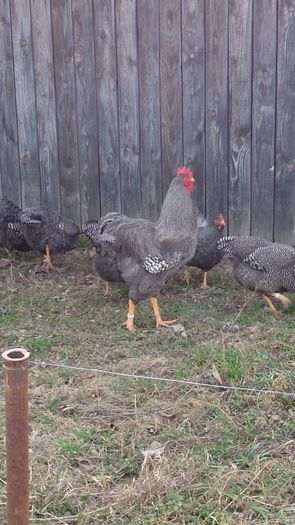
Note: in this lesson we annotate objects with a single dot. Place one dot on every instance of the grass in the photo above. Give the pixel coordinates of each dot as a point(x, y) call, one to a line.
point(227, 458)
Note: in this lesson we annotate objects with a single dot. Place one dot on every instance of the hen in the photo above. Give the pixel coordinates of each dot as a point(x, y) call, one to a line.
point(262, 266)
point(207, 254)
point(106, 259)
point(48, 232)
point(149, 254)
point(11, 235)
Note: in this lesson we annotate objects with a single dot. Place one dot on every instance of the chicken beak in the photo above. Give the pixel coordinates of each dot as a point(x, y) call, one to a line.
point(192, 179)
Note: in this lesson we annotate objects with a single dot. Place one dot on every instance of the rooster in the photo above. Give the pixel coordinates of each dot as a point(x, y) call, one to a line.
point(149, 254)
point(206, 255)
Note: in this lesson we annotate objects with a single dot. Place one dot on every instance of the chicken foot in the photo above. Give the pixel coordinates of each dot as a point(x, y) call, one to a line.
point(186, 276)
point(159, 320)
point(282, 299)
point(130, 316)
point(204, 285)
point(47, 259)
point(270, 304)
point(107, 288)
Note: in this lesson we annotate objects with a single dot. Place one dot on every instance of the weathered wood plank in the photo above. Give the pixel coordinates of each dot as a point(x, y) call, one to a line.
point(171, 95)
point(285, 150)
point(9, 156)
point(45, 101)
point(263, 117)
point(25, 102)
point(149, 89)
point(128, 106)
point(216, 108)
point(240, 57)
point(86, 108)
point(107, 102)
point(66, 108)
point(193, 70)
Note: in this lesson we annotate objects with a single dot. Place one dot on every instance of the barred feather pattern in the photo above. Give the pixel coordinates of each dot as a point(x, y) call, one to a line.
point(152, 264)
point(11, 234)
point(251, 259)
point(224, 244)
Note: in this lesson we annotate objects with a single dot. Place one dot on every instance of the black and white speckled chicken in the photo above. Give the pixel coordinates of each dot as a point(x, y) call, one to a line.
point(106, 259)
point(262, 266)
point(48, 232)
point(149, 254)
point(207, 254)
point(11, 235)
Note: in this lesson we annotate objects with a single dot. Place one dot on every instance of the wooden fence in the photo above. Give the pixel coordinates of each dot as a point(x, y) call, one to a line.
point(101, 100)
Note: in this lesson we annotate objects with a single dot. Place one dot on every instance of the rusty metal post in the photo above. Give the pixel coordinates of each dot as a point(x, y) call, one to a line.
point(15, 362)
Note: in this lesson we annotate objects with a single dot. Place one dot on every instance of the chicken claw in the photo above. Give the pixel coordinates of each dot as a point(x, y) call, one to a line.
point(130, 316)
point(47, 259)
point(159, 320)
point(204, 285)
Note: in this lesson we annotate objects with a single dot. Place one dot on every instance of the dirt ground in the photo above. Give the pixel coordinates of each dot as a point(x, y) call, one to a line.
point(115, 450)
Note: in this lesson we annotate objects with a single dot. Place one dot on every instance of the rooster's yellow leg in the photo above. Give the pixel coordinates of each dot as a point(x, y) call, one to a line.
point(47, 258)
point(186, 276)
point(282, 299)
point(159, 320)
point(204, 285)
point(270, 304)
point(107, 288)
point(130, 316)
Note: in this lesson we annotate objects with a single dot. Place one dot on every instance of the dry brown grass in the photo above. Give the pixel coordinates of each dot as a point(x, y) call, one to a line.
point(227, 458)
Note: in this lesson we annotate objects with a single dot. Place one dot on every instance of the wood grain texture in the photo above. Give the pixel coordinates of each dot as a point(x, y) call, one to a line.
point(149, 90)
point(45, 103)
point(171, 89)
point(66, 108)
point(263, 117)
point(285, 145)
point(9, 156)
point(193, 92)
point(216, 108)
point(25, 102)
point(240, 53)
point(107, 102)
point(128, 106)
point(86, 108)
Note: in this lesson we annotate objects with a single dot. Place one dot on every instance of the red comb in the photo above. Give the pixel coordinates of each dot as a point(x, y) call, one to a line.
point(184, 171)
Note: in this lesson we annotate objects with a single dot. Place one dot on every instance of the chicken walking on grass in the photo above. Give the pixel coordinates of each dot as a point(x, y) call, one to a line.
point(48, 232)
point(148, 254)
point(207, 254)
point(262, 266)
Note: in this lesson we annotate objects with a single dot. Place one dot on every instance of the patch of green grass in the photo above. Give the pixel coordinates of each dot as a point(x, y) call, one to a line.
point(40, 342)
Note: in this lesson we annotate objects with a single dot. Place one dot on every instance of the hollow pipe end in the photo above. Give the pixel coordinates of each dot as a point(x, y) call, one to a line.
point(14, 356)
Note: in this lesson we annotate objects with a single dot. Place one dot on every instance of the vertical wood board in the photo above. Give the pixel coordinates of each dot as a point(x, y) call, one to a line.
point(9, 155)
point(263, 117)
point(66, 108)
point(128, 98)
point(149, 100)
point(25, 102)
point(240, 102)
point(171, 89)
point(285, 144)
point(216, 28)
point(193, 92)
point(86, 108)
point(45, 103)
point(107, 101)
